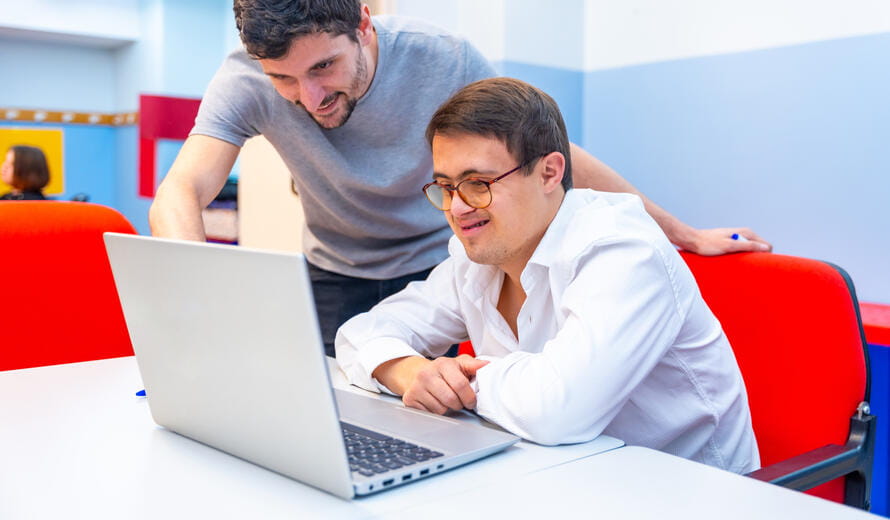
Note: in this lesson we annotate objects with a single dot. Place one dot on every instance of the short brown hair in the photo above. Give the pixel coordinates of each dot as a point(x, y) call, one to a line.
point(29, 169)
point(268, 27)
point(519, 115)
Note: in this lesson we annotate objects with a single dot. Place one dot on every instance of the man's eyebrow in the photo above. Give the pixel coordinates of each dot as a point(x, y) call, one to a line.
point(463, 175)
point(324, 60)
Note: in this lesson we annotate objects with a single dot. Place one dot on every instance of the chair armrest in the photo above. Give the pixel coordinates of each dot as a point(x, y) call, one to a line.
point(810, 469)
point(829, 462)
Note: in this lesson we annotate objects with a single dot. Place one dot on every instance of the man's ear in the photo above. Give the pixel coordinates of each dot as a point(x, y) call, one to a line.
point(365, 29)
point(553, 168)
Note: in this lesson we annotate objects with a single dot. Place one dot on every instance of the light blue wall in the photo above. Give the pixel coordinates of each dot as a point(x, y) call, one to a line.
point(565, 86)
point(56, 76)
point(196, 36)
point(793, 142)
point(126, 185)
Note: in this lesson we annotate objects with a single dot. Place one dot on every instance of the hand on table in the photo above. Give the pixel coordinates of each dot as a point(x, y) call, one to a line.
point(435, 386)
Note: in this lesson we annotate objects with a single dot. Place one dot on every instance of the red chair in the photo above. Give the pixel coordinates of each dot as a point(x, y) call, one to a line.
point(795, 329)
point(59, 302)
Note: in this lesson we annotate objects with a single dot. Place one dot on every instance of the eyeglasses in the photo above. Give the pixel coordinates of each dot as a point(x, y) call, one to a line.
point(475, 193)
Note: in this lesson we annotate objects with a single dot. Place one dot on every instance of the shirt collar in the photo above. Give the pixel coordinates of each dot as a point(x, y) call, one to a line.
point(549, 246)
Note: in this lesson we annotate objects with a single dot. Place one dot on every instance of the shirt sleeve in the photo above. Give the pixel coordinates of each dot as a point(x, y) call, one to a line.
point(230, 107)
point(424, 319)
point(621, 316)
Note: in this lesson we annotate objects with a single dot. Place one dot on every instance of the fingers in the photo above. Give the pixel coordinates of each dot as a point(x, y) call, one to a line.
point(748, 241)
point(720, 241)
point(443, 385)
point(423, 400)
point(469, 365)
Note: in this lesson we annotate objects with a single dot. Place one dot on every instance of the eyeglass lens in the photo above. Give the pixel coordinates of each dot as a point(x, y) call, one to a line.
point(475, 193)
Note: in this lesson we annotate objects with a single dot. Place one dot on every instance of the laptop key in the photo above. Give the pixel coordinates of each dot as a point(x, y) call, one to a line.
point(392, 464)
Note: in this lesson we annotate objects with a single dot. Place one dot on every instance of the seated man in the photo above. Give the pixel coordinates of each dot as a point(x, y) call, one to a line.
point(584, 317)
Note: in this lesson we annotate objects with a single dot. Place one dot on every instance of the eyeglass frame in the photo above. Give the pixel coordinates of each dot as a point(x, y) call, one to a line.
point(456, 188)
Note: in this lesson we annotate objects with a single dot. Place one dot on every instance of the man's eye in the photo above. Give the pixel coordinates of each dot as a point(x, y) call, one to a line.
point(323, 65)
point(474, 187)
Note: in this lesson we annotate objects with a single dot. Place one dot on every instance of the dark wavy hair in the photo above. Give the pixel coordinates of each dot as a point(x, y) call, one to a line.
point(29, 169)
point(523, 117)
point(268, 27)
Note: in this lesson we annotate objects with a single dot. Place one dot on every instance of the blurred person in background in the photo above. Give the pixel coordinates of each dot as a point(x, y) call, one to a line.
point(26, 171)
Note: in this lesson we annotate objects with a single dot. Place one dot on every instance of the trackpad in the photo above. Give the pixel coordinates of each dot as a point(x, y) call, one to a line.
point(390, 417)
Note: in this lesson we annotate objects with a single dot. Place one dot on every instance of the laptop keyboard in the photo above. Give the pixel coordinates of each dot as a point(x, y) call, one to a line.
point(371, 452)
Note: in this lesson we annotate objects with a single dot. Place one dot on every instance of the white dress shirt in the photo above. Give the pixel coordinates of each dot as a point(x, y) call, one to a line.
point(613, 338)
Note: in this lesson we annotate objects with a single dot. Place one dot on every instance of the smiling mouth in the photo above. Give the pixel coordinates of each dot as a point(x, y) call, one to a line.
point(325, 104)
point(474, 225)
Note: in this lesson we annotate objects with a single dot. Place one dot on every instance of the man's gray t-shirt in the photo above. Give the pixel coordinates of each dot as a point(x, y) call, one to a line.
point(360, 184)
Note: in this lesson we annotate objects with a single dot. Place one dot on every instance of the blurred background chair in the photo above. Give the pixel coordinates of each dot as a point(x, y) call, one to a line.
point(59, 303)
point(795, 328)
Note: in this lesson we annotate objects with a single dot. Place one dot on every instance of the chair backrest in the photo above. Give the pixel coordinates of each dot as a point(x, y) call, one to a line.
point(59, 301)
point(794, 326)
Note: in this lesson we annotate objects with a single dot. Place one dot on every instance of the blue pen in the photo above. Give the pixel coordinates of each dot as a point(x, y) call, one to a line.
point(140, 393)
point(740, 238)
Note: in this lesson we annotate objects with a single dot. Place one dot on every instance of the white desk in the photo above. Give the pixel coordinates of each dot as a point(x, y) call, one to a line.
point(75, 442)
point(634, 483)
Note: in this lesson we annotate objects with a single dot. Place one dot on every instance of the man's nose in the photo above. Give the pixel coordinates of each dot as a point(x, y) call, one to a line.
point(311, 95)
point(458, 206)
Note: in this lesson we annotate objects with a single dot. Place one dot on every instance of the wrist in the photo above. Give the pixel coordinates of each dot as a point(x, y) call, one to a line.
point(684, 236)
point(398, 374)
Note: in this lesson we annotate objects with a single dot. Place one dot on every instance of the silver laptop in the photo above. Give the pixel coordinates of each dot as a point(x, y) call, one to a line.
point(228, 346)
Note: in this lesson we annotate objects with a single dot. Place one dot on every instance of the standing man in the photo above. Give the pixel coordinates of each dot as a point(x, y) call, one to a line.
point(585, 318)
point(344, 99)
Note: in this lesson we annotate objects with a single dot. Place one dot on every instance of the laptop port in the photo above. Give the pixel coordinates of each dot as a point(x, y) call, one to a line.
point(440, 466)
point(424, 472)
point(388, 482)
point(406, 477)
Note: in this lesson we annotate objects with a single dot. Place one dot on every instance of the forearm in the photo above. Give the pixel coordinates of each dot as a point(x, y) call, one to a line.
point(176, 213)
point(197, 175)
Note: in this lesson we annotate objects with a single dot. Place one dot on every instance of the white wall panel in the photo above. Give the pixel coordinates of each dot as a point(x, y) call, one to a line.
point(481, 22)
point(113, 20)
point(632, 32)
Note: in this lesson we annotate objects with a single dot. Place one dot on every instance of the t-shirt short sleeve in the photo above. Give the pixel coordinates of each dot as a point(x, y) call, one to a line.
point(231, 109)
